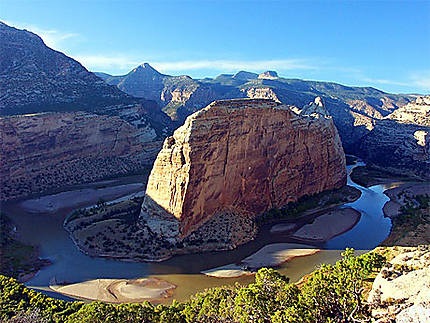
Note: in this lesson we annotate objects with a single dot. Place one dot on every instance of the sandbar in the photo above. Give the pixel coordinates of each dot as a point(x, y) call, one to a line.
point(269, 256)
point(328, 225)
point(118, 290)
point(73, 199)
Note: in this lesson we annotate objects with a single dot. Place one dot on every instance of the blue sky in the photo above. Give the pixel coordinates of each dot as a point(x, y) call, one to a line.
point(385, 44)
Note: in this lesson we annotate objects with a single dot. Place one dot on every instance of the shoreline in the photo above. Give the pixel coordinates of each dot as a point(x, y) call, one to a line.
point(309, 215)
point(282, 253)
point(78, 198)
point(326, 222)
point(405, 232)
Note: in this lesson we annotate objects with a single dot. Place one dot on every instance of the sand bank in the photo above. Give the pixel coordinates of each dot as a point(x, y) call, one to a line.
point(328, 225)
point(400, 194)
point(269, 256)
point(76, 198)
point(118, 290)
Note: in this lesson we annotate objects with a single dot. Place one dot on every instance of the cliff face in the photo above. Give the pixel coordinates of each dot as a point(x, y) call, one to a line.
point(241, 157)
point(416, 112)
point(46, 151)
point(401, 141)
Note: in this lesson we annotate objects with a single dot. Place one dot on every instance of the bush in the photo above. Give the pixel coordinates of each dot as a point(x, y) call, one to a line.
point(332, 293)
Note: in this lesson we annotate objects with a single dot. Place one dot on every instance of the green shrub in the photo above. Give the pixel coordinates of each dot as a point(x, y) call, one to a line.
point(332, 293)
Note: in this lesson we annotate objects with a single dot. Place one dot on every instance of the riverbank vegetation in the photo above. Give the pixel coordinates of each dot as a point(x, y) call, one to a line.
point(411, 225)
point(333, 293)
point(368, 176)
point(307, 204)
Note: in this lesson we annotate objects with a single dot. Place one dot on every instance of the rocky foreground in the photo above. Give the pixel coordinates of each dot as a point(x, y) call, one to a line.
point(401, 290)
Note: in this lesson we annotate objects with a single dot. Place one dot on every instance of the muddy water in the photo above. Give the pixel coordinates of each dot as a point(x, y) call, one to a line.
point(70, 265)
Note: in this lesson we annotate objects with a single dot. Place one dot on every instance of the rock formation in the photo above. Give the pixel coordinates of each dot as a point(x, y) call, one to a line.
point(398, 147)
point(45, 151)
point(401, 140)
point(401, 291)
point(268, 75)
point(417, 112)
point(241, 157)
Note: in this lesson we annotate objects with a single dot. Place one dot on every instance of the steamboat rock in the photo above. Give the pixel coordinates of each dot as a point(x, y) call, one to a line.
point(241, 157)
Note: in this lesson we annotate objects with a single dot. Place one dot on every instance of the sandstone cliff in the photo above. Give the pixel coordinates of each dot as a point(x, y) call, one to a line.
point(240, 157)
point(416, 112)
point(51, 150)
point(401, 140)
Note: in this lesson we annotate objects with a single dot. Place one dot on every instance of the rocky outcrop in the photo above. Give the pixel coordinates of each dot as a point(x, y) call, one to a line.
point(401, 291)
point(417, 112)
point(240, 157)
point(51, 150)
point(261, 93)
point(268, 75)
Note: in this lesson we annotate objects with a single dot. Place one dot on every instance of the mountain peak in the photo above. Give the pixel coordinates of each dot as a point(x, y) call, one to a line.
point(268, 75)
point(145, 67)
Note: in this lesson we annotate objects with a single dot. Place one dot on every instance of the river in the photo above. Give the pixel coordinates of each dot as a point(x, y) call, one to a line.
point(70, 265)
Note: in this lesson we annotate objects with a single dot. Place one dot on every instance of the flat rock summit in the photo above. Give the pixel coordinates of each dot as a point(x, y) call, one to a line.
point(241, 157)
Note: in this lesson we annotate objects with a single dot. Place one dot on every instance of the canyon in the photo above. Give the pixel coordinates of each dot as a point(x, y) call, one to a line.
point(202, 195)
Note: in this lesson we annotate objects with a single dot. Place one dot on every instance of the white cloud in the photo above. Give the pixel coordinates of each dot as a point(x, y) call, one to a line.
point(385, 81)
point(126, 63)
point(104, 63)
point(52, 38)
point(422, 80)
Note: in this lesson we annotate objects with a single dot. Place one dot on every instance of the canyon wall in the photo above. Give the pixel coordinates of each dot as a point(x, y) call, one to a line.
point(45, 151)
point(241, 157)
point(400, 142)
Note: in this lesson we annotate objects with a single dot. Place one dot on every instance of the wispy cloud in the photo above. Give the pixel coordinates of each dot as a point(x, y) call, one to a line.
point(125, 63)
point(234, 65)
point(421, 80)
point(384, 81)
point(52, 37)
point(105, 63)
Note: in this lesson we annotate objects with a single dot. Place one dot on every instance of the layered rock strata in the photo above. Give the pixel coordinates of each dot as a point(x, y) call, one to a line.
point(416, 112)
point(241, 157)
point(51, 150)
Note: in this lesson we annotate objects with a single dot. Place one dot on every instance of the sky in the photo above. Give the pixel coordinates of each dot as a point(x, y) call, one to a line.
point(384, 44)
